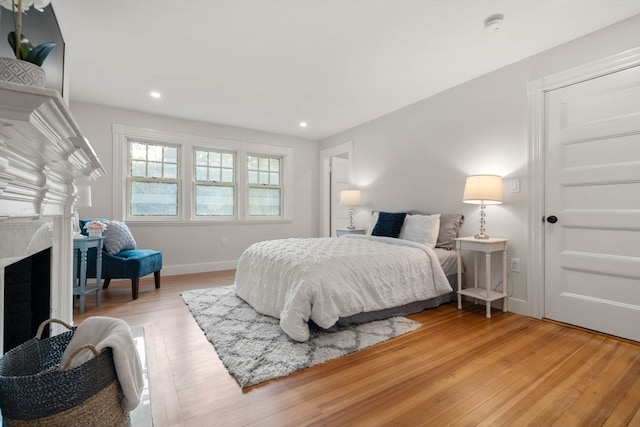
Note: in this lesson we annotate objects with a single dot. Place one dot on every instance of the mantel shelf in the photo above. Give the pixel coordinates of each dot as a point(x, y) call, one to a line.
point(42, 153)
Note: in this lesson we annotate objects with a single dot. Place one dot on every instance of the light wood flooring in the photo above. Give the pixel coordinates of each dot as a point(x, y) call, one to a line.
point(458, 369)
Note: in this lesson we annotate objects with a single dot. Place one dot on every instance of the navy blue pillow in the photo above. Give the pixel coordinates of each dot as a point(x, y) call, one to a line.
point(389, 224)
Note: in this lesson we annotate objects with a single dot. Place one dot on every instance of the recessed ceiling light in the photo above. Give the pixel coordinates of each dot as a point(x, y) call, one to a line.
point(155, 95)
point(494, 22)
point(303, 124)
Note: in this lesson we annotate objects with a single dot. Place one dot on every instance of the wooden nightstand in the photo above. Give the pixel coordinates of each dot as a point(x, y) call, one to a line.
point(487, 246)
point(343, 231)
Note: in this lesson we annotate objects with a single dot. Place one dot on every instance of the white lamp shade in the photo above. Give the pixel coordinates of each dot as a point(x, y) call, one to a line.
point(84, 196)
point(350, 198)
point(485, 189)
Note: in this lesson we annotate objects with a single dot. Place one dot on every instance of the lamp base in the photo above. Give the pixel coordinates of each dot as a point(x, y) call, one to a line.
point(481, 236)
point(351, 226)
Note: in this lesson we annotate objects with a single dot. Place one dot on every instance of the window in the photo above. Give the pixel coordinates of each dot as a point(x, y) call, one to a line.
point(153, 179)
point(215, 183)
point(265, 191)
point(161, 176)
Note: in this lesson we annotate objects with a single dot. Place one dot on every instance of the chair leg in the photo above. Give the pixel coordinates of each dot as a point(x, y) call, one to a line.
point(106, 283)
point(135, 285)
point(156, 278)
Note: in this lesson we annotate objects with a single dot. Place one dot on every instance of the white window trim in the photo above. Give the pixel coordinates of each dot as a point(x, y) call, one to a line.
point(234, 185)
point(281, 186)
point(188, 143)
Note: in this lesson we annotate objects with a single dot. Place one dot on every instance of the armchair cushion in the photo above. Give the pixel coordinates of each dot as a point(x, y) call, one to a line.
point(131, 263)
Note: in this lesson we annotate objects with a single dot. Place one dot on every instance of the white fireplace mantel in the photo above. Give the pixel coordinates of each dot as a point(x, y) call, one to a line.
point(43, 155)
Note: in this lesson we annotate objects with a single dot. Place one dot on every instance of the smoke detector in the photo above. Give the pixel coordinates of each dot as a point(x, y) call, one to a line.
point(494, 22)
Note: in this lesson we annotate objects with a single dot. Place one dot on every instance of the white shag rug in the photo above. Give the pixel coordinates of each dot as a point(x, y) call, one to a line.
point(255, 349)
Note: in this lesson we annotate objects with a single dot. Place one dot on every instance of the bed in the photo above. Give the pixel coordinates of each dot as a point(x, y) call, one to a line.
point(332, 282)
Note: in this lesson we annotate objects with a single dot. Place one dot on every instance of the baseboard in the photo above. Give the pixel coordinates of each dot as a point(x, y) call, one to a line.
point(514, 305)
point(519, 306)
point(175, 270)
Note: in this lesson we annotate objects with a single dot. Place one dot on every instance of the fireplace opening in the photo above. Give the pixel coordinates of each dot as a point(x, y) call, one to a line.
point(27, 298)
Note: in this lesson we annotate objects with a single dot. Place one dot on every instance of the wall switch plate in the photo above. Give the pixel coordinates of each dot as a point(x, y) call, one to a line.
point(514, 186)
point(225, 241)
point(515, 265)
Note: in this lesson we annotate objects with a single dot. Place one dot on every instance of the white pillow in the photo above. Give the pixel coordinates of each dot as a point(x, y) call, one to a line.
point(421, 229)
point(117, 237)
point(374, 221)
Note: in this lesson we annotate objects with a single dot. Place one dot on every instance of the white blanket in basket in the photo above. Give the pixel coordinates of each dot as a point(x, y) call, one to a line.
point(323, 279)
point(103, 332)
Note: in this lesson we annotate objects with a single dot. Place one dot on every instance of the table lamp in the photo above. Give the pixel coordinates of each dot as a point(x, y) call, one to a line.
point(83, 200)
point(350, 198)
point(483, 190)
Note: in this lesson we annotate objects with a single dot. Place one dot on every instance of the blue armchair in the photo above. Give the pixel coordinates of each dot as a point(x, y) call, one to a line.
point(125, 264)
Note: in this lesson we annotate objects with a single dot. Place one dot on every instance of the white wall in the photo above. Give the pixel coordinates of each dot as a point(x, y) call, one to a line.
point(418, 157)
point(190, 248)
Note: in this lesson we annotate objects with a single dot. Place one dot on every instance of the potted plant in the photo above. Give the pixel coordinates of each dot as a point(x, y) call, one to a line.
point(28, 58)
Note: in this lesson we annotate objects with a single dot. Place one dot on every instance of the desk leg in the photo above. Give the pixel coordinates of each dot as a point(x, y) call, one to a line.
point(487, 259)
point(83, 277)
point(98, 273)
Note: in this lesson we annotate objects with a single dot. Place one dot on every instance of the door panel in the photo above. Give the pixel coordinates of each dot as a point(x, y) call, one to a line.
point(592, 176)
point(339, 182)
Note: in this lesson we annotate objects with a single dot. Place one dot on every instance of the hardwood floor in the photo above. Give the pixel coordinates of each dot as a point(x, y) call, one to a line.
point(458, 369)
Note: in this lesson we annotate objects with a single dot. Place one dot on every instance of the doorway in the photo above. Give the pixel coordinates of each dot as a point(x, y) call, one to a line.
point(336, 164)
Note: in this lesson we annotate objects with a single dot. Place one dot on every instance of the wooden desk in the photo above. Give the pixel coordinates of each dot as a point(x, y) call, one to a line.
point(80, 247)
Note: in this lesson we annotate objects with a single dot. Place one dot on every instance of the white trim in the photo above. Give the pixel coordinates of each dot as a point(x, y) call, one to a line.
point(325, 166)
point(536, 91)
point(175, 270)
point(187, 143)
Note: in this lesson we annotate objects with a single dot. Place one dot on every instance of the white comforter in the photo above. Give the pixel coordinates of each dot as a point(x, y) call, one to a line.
point(323, 279)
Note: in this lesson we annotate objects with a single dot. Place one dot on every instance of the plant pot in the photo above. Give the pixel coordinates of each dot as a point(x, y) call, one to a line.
point(94, 232)
point(13, 70)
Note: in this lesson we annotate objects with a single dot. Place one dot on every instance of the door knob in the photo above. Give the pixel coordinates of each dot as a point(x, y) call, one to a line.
point(552, 219)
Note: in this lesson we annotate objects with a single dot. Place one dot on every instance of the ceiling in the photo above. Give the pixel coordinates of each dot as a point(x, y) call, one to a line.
point(271, 64)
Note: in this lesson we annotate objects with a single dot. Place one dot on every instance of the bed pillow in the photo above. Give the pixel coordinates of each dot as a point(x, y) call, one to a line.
point(389, 224)
point(374, 221)
point(423, 229)
point(449, 227)
point(118, 237)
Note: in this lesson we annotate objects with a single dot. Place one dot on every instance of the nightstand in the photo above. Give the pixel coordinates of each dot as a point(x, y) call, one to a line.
point(487, 246)
point(80, 247)
point(343, 231)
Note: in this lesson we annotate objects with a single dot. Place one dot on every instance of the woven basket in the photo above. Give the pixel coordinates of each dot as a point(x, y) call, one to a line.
point(36, 391)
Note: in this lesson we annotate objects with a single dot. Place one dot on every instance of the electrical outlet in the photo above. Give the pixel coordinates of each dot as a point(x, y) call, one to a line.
point(225, 241)
point(515, 265)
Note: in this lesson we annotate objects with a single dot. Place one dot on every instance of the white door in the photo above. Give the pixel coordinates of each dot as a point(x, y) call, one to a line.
point(339, 182)
point(592, 186)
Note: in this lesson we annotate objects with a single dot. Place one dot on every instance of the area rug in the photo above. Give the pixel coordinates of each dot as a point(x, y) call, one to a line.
point(255, 349)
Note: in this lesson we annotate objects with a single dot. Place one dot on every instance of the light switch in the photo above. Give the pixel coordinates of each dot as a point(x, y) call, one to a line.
point(514, 186)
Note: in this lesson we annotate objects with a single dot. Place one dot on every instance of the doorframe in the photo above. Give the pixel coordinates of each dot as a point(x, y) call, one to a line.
point(325, 191)
point(536, 91)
